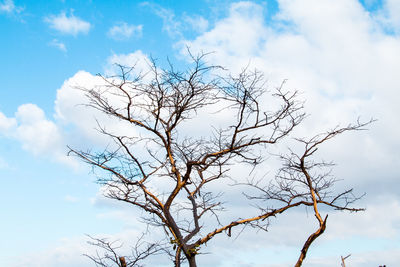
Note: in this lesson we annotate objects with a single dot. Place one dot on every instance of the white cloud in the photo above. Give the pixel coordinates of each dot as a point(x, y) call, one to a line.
point(338, 57)
point(6, 123)
point(36, 133)
point(345, 64)
point(56, 43)
point(393, 8)
point(196, 22)
point(71, 111)
point(388, 16)
point(42, 136)
point(70, 251)
point(137, 59)
point(65, 252)
point(380, 220)
point(68, 24)
point(176, 26)
point(123, 30)
point(235, 38)
point(8, 6)
point(170, 24)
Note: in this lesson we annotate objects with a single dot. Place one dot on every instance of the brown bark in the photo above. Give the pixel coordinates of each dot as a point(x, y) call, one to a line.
point(309, 241)
point(122, 261)
point(192, 261)
point(343, 260)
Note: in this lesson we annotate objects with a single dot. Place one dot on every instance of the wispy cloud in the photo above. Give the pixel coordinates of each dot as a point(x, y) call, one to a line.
point(176, 26)
point(170, 24)
point(123, 31)
point(391, 14)
point(197, 23)
point(8, 6)
point(71, 24)
point(56, 43)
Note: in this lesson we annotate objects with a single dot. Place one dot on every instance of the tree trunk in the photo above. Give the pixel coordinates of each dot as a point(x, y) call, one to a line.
point(122, 261)
point(192, 261)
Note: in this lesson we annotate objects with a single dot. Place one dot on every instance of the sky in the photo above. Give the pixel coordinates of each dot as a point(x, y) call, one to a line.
point(342, 55)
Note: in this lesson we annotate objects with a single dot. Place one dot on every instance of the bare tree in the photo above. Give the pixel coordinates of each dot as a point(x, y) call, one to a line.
point(301, 181)
point(171, 175)
point(110, 256)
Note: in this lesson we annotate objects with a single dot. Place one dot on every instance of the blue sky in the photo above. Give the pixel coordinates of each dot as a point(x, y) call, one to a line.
point(344, 56)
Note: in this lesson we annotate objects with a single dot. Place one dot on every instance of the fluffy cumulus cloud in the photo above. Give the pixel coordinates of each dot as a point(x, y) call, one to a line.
point(6, 123)
point(138, 60)
point(344, 60)
point(337, 55)
point(81, 120)
point(72, 112)
point(123, 31)
point(69, 104)
point(49, 137)
point(37, 134)
point(238, 35)
point(65, 24)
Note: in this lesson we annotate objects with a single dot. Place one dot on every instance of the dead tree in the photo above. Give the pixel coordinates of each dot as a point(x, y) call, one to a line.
point(111, 256)
point(302, 181)
point(168, 174)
